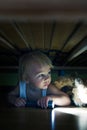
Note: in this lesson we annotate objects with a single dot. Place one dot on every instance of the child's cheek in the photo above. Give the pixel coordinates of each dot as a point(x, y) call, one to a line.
point(38, 83)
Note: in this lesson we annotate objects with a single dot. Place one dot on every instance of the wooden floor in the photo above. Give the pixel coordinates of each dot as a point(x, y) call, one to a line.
point(43, 119)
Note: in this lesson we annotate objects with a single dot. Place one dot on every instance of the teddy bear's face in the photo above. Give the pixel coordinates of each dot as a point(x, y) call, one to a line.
point(63, 81)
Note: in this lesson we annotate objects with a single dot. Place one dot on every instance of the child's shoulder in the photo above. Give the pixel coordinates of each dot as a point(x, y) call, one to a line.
point(52, 87)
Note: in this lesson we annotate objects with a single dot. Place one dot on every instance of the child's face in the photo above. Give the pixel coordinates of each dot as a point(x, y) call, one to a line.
point(41, 76)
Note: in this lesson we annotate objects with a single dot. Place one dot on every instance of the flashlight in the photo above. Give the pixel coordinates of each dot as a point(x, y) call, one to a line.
point(50, 104)
point(34, 104)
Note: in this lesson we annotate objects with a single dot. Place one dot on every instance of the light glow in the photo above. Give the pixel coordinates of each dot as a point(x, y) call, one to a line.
point(81, 114)
point(53, 119)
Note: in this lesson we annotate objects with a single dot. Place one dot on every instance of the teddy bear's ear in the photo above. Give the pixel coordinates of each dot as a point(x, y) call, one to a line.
point(57, 84)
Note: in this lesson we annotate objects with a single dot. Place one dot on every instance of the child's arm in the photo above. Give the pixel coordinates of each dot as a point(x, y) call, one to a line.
point(14, 99)
point(58, 97)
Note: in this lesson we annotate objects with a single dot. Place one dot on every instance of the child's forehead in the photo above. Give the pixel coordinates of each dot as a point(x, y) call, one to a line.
point(38, 64)
point(40, 68)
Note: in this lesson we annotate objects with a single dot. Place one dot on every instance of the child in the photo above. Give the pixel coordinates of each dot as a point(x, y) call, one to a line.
point(35, 74)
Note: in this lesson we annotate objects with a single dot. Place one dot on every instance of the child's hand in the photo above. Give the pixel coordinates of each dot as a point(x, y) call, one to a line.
point(20, 102)
point(43, 102)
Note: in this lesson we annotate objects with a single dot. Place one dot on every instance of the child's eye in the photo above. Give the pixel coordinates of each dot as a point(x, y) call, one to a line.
point(49, 72)
point(41, 76)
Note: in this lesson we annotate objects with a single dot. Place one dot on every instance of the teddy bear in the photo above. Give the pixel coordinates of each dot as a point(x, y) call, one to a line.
point(76, 88)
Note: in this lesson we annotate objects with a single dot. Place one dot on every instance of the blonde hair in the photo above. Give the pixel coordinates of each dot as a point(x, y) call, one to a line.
point(28, 60)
